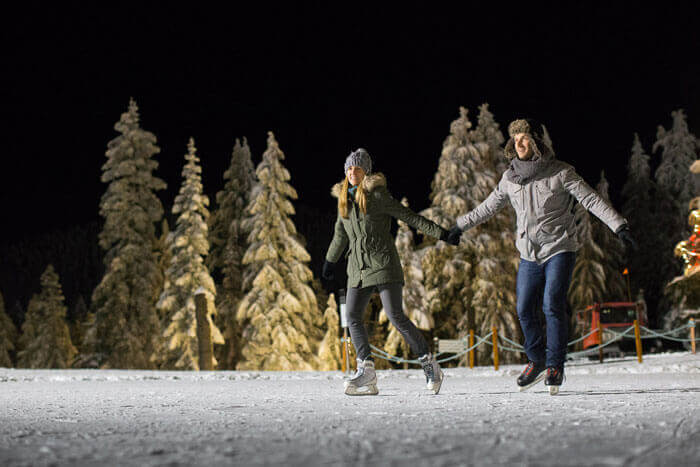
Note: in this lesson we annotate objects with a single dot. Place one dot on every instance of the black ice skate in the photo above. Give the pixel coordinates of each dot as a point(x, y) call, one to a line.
point(364, 381)
point(531, 375)
point(554, 378)
point(433, 374)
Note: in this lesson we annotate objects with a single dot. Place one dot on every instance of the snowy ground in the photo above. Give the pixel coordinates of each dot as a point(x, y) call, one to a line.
point(618, 413)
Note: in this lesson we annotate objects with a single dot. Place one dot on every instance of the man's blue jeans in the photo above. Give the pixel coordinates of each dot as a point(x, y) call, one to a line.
point(546, 284)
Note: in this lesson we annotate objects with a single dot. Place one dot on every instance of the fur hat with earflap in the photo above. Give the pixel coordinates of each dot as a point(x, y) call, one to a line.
point(535, 131)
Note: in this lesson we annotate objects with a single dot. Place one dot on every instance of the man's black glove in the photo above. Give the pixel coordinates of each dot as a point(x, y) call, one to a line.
point(453, 236)
point(328, 272)
point(625, 235)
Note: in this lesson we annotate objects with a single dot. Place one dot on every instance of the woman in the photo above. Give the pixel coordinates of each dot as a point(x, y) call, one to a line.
point(365, 209)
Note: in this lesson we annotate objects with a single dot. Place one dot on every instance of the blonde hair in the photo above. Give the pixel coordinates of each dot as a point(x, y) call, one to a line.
point(360, 197)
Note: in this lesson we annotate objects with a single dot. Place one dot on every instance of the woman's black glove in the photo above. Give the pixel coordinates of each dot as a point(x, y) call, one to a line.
point(453, 236)
point(625, 235)
point(328, 272)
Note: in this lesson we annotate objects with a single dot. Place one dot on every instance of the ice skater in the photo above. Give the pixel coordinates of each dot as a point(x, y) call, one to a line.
point(542, 190)
point(365, 209)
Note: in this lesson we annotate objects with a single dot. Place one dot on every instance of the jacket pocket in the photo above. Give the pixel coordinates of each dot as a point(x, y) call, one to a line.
point(544, 197)
point(550, 233)
point(379, 257)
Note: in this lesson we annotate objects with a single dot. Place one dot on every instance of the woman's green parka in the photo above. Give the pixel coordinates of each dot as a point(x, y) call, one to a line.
point(372, 256)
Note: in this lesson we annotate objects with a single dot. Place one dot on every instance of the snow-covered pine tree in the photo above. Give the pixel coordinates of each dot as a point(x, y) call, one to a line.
point(639, 210)
point(162, 252)
point(228, 240)
point(679, 149)
point(588, 279)
point(613, 260)
point(329, 356)
point(88, 356)
point(277, 313)
point(79, 314)
point(8, 337)
point(458, 183)
point(45, 341)
point(124, 301)
point(414, 298)
point(495, 256)
point(675, 186)
point(187, 272)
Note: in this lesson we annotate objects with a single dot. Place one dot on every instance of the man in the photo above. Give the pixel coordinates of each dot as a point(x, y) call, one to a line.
point(542, 190)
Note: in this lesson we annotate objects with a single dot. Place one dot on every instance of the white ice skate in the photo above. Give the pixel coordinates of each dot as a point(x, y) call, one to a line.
point(433, 373)
point(364, 381)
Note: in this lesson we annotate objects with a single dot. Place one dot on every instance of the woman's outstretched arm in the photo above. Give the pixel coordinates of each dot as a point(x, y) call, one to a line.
point(392, 207)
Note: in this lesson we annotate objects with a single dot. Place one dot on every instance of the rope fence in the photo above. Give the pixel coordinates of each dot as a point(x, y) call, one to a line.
point(460, 347)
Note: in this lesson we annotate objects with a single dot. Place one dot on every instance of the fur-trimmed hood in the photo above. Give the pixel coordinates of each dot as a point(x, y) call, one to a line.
point(370, 183)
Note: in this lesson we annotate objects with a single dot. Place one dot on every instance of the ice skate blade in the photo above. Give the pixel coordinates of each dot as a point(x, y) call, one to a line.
point(537, 380)
point(435, 385)
point(369, 390)
point(553, 390)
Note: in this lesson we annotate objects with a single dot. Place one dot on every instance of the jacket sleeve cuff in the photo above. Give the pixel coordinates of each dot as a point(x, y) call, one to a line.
point(462, 222)
point(621, 228)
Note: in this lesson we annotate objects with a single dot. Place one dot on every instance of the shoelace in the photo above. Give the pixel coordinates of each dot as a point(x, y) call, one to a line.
point(530, 367)
point(428, 369)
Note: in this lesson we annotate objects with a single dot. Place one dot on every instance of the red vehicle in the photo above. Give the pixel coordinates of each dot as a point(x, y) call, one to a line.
point(610, 315)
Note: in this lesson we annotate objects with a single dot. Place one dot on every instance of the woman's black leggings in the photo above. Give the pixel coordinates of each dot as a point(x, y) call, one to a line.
point(390, 294)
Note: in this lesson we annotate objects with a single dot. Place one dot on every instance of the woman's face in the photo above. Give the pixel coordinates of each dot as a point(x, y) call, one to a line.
point(523, 146)
point(355, 175)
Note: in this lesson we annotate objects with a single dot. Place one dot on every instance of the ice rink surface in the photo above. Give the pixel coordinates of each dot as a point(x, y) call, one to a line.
point(617, 413)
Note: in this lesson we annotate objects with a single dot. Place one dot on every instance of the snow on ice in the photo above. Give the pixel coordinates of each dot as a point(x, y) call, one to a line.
point(617, 413)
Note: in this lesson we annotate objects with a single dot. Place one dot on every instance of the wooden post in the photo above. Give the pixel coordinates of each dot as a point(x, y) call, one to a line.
point(692, 334)
point(206, 346)
point(638, 341)
point(471, 352)
point(600, 340)
point(495, 347)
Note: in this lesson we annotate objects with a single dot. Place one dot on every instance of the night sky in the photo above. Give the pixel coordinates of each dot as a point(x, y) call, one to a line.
point(326, 81)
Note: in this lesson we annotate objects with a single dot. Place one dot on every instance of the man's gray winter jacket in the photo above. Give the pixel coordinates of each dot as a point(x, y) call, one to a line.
point(544, 209)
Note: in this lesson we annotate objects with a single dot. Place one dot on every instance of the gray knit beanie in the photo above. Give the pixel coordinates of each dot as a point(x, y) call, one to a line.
point(359, 158)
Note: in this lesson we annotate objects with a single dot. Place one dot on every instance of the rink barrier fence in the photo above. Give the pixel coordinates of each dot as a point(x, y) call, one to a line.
point(492, 339)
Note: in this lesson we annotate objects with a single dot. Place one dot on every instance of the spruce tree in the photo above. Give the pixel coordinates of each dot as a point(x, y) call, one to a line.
point(613, 260)
point(329, 356)
point(588, 278)
point(80, 312)
point(8, 337)
point(45, 341)
point(187, 272)
point(678, 151)
point(639, 208)
point(278, 312)
point(88, 355)
point(124, 301)
point(228, 239)
point(495, 256)
point(674, 190)
point(458, 183)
